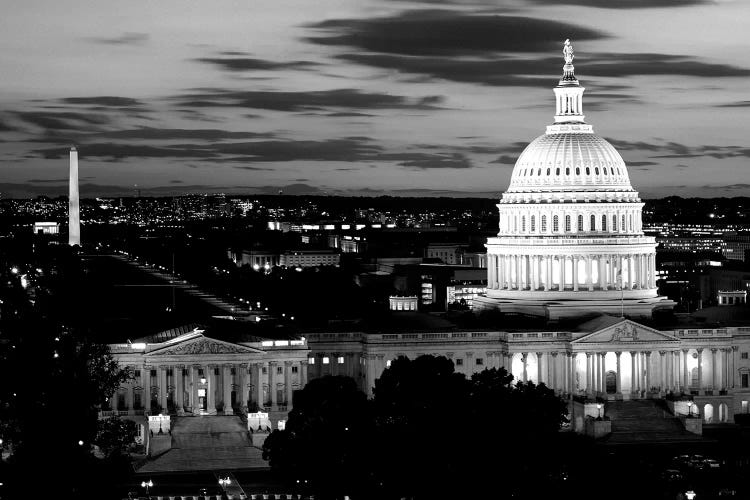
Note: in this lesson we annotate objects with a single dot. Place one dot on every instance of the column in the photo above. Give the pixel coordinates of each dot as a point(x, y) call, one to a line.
point(563, 261)
point(603, 373)
point(589, 373)
point(571, 372)
point(146, 375)
point(619, 374)
point(539, 358)
point(491, 273)
point(575, 273)
point(602, 273)
point(163, 390)
point(179, 388)
point(685, 379)
point(548, 284)
point(129, 398)
point(524, 355)
point(242, 382)
point(288, 383)
point(648, 370)
point(554, 371)
point(637, 271)
point(714, 369)
point(725, 364)
point(303, 373)
point(507, 272)
point(589, 282)
point(226, 382)
point(272, 383)
point(194, 380)
point(211, 392)
point(662, 371)
point(633, 372)
point(734, 367)
point(259, 399)
point(534, 272)
point(700, 369)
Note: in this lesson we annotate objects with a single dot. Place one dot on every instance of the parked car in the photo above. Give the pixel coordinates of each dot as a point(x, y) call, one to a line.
point(671, 475)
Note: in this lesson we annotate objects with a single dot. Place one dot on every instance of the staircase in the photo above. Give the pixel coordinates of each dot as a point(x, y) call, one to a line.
point(207, 443)
point(644, 421)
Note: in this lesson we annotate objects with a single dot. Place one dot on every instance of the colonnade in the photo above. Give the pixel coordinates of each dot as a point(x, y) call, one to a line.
point(571, 272)
point(178, 387)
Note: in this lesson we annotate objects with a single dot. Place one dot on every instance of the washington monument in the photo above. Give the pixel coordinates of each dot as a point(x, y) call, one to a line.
point(74, 223)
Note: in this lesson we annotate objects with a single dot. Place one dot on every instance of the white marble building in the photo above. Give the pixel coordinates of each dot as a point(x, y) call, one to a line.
point(570, 237)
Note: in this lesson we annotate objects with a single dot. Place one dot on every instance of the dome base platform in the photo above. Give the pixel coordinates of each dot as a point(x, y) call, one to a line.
point(557, 310)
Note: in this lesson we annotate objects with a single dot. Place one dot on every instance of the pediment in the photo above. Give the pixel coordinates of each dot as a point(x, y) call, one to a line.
point(625, 332)
point(203, 345)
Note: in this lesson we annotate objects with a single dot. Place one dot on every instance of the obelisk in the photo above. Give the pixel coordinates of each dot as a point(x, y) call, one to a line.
point(74, 222)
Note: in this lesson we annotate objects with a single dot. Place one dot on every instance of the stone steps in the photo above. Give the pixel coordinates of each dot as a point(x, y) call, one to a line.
point(644, 421)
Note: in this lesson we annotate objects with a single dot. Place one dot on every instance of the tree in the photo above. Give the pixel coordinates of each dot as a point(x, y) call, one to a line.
point(115, 435)
point(327, 438)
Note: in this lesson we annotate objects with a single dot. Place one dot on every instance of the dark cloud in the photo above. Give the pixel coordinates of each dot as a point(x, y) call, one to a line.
point(176, 181)
point(104, 101)
point(677, 150)
point(641, 164)
point(443, 32)
point(626, 4)
point(423, 161)
point(178, 133)
point(739, 104)
point(130, 38)
point(303, 101)
point(505, 160)
point(47, 181)
point(63, 120)
point(253, 64)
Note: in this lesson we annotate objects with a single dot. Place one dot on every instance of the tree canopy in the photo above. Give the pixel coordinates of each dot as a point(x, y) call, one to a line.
point(428, 432)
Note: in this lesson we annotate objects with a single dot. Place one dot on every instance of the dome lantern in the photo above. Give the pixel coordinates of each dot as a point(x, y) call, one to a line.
point(569, 93)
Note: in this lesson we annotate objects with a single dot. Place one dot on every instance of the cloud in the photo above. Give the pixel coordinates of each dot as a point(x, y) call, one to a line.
point(425, 161)
point(641, 164)
point(128, 38)
point(176, 181)
point(63, 120)
point(304, 101)
point(739, 104)
point(505, 160)
point(677, 150)
point(443, 32)
point(104, 101)
point(626, 4)
point(253, 64)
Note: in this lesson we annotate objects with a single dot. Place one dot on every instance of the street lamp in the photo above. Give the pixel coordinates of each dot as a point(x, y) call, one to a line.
point(690, 494)
point(224, 482)
point(148, 485)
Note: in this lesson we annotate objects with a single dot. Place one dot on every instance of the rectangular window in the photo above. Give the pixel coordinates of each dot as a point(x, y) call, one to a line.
point(326, 360)
point(279, 370)
point(459, 362)
point(200, 372)
point(311, 360)
point(745, 380)
point(295, 369)
point(745, 407)
point(233, 371)
point(743, 355)
point(137, 373)
point(169, 372)
point(185, 372)
point(153, 373)
point(340, 360)
point(265, 370)
point(216, 371)
point(480, 361)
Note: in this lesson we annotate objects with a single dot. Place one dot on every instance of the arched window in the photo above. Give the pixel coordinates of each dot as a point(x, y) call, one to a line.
point(531, 172)
point(578, 171)
point(604, 222)
point(555, 224)
point(539, 171)
point(567, 223)
point(605, 170)
point(523, 224)
point(547, 171)
point(557, 171)
point(588, 171)
point(592, 227)
point(614, 223)
point(596, 170)
point(515, 224)
point(567, 170)
point(544, 223)
point(580, 223)
point(533, 223)
point(622, 226)
point(630, 222)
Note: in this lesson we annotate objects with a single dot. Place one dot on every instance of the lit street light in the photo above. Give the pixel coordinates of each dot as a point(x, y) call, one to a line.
point(224, 482)
point(147, 485)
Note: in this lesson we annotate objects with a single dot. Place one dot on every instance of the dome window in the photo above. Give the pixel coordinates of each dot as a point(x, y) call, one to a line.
point(605, 170)
point(580, 223)
point(555, 224)
point(614, 223)
point(544, 223)
point(557, 171)
point(593, 223)
point(622, 227)
point(567, 171)
point(533, 223)
point(588, 171)
point(539, 171)
point(523, 224)
point(596, 170)
point(578, 171)
point(604, 222)
point(567, 223)
point(547, 171)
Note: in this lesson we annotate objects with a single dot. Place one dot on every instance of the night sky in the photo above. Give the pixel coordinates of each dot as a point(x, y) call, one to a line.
point(363, 96)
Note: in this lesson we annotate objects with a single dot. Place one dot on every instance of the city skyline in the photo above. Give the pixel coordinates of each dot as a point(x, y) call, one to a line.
point(412, 98)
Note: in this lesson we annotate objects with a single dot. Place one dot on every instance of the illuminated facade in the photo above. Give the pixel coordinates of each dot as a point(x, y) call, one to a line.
point(570, 238)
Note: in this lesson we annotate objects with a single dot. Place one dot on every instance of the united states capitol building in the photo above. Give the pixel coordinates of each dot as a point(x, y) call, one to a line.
point(570, 255)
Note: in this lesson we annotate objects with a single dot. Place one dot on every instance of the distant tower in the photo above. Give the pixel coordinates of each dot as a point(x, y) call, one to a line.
point(74, 222)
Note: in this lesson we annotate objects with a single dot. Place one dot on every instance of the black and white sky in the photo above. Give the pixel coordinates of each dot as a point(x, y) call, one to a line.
point(364, 96)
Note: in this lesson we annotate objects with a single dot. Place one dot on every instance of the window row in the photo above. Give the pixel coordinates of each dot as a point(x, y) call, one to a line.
point(604, 223)
point(531, 172)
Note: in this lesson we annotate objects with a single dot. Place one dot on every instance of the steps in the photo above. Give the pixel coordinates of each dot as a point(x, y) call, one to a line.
point(643, 421)
point(208, 443)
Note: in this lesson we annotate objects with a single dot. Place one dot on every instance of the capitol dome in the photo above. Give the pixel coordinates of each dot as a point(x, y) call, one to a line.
point(570, 238)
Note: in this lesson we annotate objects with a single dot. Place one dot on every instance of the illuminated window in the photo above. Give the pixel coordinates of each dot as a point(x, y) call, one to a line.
point(340, 360)
point(311, 360)
point(544, 223)
point(326, 360)
point(580, 223)
point(388, 363)
point(555, 224)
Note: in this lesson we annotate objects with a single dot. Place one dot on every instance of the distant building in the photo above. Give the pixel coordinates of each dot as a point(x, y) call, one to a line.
point(732, 298)
point(403, 303)
point(259, 259)
point(737, 246)
point(46, 228)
